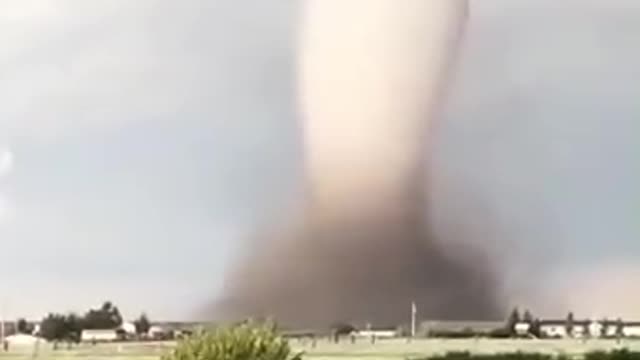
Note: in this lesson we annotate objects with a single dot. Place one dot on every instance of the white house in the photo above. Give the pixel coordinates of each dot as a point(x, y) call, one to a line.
point(23, 340)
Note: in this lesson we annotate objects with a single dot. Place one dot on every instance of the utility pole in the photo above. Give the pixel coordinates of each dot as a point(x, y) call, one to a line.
point(413, 319)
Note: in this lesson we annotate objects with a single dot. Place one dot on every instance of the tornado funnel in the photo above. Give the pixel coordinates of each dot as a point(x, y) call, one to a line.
point(372, 76)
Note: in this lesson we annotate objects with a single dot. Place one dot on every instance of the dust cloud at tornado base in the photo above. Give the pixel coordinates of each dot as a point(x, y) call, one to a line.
point(371, 77)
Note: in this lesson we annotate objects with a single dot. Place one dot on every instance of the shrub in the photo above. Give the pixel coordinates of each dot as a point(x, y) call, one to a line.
point(240, 342)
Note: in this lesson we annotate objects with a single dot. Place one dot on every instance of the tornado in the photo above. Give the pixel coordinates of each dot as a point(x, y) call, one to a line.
point(372, 77)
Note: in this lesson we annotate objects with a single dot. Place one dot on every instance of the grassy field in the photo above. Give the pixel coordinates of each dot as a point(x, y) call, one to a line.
point(324, 350)
point(400, 349)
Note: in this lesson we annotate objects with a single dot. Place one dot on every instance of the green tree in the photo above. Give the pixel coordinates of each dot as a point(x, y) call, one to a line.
point(23, 327)
point(587, 332)
point(605, 327)
point(527, 317)
point(619, 328)
point(142, 324)
point(512, 320)
point(569, 324)
point(73, 325)
point(342, 328)
point(106, 317)
point(52, 327)
point(535, 328)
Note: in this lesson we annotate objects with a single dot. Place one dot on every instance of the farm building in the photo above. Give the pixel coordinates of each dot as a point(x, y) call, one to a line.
point(438, 328)
point(99, 335)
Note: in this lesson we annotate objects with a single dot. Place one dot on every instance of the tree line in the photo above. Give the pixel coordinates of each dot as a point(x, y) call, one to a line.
point(69, 327)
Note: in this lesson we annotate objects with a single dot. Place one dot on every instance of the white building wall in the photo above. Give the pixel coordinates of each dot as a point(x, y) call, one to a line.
point(129, 328)
point(89, 335)
point(579, 331)
point(611, 331)
point(595, 329)
point(631, 331)
point(553, 330)
point(522, 328)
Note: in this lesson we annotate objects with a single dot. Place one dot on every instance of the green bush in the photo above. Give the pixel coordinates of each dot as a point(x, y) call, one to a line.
point(241, 342)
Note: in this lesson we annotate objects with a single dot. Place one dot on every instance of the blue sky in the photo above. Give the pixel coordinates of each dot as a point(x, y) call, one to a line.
point(151, 137)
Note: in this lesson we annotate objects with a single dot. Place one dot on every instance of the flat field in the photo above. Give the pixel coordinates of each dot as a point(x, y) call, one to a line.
point(401, 349)
point(396, 349)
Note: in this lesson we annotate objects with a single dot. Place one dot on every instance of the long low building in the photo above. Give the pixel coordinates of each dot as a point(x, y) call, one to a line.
point(99, 335)
point(436, 327)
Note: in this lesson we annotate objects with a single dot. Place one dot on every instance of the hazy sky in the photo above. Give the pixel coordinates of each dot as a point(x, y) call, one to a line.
point(151, 136)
